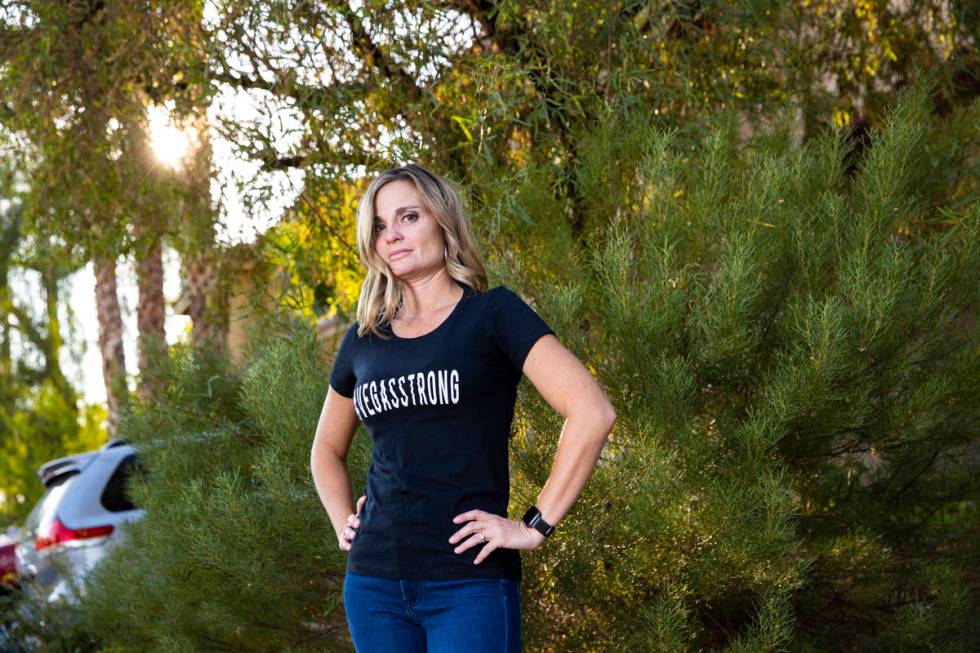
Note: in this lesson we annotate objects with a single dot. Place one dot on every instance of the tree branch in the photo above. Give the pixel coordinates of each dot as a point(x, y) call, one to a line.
point(485, 13)
point(27, 327)
point(373, 54)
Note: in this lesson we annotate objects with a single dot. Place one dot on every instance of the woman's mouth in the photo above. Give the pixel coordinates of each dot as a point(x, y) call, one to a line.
point(399, 254)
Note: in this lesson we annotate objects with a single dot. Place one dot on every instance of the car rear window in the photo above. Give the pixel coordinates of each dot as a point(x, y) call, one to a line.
point(115, 496)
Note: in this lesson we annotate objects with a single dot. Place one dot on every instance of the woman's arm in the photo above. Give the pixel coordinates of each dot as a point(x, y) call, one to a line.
point(328, 461)
point(589, 417)
point(565, 384)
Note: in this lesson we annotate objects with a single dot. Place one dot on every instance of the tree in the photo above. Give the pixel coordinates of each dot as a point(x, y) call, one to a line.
point(489, 92)
point(40, 415)
point(79, 78)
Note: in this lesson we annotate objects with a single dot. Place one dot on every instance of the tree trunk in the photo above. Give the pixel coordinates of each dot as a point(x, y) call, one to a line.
point(205, 305)
point(110, 339)
point(150, 314)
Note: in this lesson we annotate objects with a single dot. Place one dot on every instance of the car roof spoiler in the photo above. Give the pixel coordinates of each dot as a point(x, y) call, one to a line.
point(55, 469)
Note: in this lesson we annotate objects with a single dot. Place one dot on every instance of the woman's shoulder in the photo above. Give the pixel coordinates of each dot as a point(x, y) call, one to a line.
point(498, 291)
point(474, 291)
point(354, 332)
point(502, 296)
point(493, 297)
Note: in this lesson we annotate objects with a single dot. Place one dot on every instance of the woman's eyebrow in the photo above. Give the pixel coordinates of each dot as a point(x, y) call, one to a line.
point(399, 211)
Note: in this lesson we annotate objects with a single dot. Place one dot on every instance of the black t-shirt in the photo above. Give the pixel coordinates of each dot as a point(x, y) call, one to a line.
point(439, 409)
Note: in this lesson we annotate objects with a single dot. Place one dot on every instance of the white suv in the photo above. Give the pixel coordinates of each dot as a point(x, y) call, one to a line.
point(77, 521)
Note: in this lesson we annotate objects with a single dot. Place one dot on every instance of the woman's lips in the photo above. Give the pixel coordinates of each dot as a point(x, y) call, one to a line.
point(399, 254)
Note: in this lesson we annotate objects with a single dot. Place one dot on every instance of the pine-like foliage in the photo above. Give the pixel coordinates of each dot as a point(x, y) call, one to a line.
point(235, 552)
point(788, 335)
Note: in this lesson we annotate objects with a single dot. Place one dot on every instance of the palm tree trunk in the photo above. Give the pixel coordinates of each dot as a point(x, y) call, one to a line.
point(206, 306)
point(150, 315)
point(207, 303)
point(110, 339)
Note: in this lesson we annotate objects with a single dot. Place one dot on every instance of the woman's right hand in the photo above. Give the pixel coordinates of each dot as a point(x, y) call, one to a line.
point(349, 531)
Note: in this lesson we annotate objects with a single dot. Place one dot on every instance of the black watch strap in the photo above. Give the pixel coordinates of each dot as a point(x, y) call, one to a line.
point(532, 518)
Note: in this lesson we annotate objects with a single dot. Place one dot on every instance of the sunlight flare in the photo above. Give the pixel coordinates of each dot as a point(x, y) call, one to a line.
point(170, 142)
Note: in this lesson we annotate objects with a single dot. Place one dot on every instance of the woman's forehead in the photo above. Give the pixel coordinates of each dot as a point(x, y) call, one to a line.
point(395, 194)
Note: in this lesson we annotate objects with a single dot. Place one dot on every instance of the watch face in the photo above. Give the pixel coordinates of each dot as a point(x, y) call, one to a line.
point(533, 519)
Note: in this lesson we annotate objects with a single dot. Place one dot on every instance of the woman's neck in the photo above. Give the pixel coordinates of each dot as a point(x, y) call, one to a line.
point(419, 302)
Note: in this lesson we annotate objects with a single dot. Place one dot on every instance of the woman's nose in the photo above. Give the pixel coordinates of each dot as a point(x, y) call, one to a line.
point(392, 233)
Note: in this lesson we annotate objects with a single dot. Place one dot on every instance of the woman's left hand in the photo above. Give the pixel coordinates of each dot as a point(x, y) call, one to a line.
point(499, 531)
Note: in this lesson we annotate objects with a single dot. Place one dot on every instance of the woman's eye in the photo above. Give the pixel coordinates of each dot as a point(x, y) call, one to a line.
point(378, 226)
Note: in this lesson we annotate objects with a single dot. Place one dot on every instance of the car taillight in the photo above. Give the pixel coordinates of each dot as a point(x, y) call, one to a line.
point(58, 533)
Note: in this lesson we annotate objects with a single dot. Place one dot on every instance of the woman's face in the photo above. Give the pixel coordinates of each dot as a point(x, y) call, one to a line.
point(405, 235)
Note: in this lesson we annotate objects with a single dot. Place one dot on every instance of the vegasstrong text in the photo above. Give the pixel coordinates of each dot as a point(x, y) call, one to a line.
point(432, 388)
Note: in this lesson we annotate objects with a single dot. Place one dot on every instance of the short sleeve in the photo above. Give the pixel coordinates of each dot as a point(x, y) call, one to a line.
point(342, 377)
point(513, 326)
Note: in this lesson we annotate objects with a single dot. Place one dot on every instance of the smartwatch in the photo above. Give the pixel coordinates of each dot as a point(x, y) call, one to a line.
point(532, 518)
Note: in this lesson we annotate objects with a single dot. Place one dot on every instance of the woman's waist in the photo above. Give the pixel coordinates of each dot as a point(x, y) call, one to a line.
point(411, 506)
point(395, 508)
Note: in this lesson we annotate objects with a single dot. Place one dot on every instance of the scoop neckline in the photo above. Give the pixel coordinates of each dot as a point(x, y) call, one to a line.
point(467, 292)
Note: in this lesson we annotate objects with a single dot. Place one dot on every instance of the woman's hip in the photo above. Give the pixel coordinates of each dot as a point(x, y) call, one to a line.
point(478, 615)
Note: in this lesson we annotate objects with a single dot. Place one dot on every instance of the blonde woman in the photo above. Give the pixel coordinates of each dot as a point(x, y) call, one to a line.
point(431, 368)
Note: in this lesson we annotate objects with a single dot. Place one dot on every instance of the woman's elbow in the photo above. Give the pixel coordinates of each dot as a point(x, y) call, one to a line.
point(606, 414)
point(610, 415)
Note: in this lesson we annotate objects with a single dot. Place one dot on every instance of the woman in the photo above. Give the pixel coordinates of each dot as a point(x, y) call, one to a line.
point(431, 368)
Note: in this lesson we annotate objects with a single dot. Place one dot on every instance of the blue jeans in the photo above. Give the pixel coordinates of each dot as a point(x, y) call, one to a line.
point(433, 616)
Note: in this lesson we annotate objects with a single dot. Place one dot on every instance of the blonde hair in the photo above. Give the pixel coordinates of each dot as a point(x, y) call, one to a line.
point(382, 293)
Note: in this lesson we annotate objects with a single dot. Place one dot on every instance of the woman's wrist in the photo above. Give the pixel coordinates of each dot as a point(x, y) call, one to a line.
point(537, 537)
